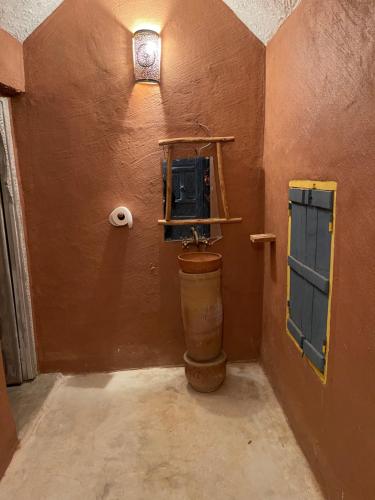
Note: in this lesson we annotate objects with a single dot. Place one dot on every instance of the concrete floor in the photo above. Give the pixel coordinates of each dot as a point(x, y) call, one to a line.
point(27, 401)
point(140, 435)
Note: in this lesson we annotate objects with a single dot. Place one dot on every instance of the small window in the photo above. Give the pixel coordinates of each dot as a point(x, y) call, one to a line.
point(311, 209)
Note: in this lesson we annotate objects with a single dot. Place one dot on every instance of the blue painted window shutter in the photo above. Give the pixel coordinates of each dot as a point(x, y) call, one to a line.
point(309, 264)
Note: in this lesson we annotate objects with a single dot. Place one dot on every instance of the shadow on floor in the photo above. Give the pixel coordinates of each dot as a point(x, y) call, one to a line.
point(89, 381)
point(27, 400)
point(235, 388)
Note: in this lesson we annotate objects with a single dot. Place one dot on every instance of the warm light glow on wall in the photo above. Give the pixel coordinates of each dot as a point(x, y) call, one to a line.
point(147, 56)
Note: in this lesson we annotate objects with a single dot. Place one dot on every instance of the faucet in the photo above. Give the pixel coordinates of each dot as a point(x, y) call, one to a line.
point(195, 236)
point(195, 240)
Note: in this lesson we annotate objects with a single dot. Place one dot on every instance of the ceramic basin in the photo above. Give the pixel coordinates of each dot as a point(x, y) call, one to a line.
point(199, 262)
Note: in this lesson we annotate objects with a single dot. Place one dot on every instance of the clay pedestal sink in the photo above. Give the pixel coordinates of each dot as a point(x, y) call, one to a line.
point(202, 314)
point(199, 262)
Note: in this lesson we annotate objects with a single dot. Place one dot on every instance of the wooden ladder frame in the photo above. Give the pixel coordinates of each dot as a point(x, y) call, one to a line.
point(169, 143)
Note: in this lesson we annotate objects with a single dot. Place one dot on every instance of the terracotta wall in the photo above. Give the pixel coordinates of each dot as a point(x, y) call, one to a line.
point(107, 298)
point(8, 436)
point(320, 125)
point(12, 77)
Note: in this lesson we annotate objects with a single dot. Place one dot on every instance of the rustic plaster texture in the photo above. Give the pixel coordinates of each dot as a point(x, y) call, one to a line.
point(108, 298)
point(12, 75)
point(263, 18)
point(320, 124)
point(144, 434)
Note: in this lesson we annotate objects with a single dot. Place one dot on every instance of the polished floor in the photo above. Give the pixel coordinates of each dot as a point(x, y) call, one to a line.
point(145, 435)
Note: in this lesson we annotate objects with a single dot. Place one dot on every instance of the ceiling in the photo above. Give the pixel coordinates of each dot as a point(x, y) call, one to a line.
point(262, 17)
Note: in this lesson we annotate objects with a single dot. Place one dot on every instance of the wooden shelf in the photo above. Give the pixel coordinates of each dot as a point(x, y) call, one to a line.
point(262, 238)
point(191, 222)
point(194, 140)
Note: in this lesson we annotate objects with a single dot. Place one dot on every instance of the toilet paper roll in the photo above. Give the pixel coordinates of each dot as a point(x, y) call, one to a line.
point(121, 216)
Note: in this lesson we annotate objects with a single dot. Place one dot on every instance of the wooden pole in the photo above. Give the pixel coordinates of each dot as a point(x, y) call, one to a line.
point(194, 140)
point(190, 222)
point(221, 179)
point(168, 197)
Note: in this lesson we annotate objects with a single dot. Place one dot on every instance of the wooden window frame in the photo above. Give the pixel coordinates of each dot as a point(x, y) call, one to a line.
point(218, 141)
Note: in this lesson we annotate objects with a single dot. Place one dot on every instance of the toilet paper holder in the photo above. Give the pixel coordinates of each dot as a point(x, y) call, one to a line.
point(120, 217)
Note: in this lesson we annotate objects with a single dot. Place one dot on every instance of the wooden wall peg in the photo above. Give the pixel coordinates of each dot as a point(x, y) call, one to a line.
point(263, 238)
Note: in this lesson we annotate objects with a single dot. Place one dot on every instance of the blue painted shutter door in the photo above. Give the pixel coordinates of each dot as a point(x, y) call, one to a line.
point(314, 346)
point(309, 261)
point(296, 321)
point(189, 196)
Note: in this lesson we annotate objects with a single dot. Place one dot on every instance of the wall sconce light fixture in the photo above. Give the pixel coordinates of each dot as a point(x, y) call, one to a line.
point(147, 55)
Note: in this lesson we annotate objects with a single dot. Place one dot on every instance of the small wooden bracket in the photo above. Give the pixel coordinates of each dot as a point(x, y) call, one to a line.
point(263, 238)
